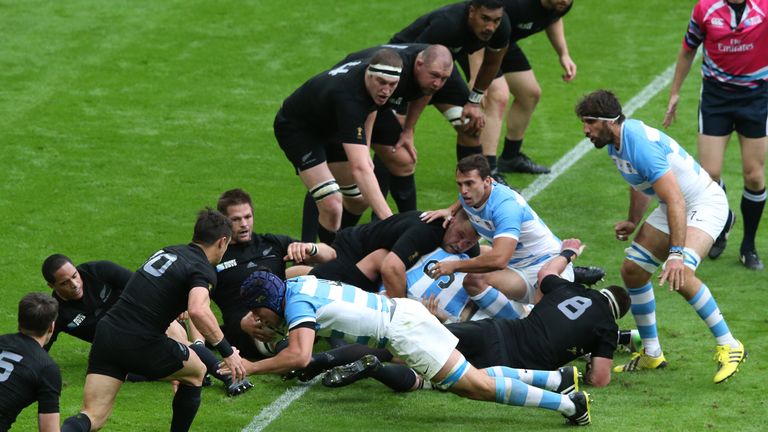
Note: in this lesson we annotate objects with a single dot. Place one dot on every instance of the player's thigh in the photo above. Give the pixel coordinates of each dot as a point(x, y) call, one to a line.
point(398, 161)
point(654, 233)
point(523, 85)
point(711, 151)
point(303, 148)
point(708, 215)
point(99, 395)
point(753, 152)
point(177, 332)
point(419, 339)
point(192, 370)
point(513, 283)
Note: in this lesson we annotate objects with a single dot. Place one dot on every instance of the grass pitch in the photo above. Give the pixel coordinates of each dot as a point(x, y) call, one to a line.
point(118, 120)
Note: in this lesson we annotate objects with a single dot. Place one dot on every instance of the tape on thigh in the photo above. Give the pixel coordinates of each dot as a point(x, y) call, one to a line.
point(324, 190)
point(351, 191)
point(691, 259)
point(459, 370)
point(642, 257)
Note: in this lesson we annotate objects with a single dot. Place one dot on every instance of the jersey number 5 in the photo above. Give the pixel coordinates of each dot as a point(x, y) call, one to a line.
point(6, 366)
point(574, 307)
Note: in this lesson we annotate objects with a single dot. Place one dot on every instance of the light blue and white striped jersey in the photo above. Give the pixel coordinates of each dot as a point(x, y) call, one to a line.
point(448, 289)
point(338, 310)
point(507, 214)
point(646, 154)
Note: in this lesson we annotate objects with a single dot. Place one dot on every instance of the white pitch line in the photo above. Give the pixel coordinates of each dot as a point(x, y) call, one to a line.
point(271, 412)
point(585, 145)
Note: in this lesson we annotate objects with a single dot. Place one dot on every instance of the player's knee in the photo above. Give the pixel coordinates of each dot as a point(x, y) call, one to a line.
point(496, 99)
point(754, 178)
point(474, 284)
point(530, 97)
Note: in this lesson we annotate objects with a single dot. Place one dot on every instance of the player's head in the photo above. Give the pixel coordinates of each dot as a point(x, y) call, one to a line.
point(618, 300)
point(473, 177)
point(62, 276)
point(560, 6)
point(432, 68)
point(236, 204)
point(383, 75)
point(600, 113)
point(484, 17)
point(37, 313)
point(264, 294)
point(459, 235)
point(213, 231)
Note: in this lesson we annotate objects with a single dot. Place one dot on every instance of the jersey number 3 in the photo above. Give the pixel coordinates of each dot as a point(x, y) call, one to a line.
point(574, 307)
point(6, 367)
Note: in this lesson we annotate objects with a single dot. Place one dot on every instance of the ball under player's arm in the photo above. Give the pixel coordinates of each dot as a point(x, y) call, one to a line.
point(295, 356)
point(199, 308)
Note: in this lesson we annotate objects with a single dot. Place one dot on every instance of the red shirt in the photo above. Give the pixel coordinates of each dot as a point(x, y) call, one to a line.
point(733, 53)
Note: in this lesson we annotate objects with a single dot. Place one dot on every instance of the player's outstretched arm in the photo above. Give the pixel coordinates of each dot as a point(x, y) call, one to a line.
point(599, 373)
point(569, 250)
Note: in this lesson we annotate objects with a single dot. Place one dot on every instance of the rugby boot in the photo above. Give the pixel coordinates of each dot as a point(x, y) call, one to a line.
point(640, 360)
point(751, 260)
point(728, 360)
point(569, 380)
point(521, 164)
point(341, 376)
point(582, 417)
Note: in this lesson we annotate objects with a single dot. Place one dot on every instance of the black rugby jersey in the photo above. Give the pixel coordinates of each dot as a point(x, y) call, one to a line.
point(448, 26)
point(103, 281)
point(27, 374)
point(159, 290)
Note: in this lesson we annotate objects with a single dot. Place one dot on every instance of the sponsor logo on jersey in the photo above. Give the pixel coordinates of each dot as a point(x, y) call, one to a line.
point(226, 264)
point(359, 133)
point(77, 321)
point(525, 26)
point(717, 22)
point(106, 290)
point(755, 20)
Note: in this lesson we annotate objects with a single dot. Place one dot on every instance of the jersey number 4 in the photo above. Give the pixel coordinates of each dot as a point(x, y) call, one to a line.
point(6, 357)
point(574, 307)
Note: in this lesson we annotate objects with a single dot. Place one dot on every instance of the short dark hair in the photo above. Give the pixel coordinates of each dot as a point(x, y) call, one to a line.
point(488, 4)
point(52, 264)
point(36, 312)
point(600, 103)
point(387, 57)
point(622, 298)
point(233, 197)
point(211, 226)
point(474, 162)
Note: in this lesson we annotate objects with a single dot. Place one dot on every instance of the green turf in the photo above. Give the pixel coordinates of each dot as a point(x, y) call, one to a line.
point(118, 120)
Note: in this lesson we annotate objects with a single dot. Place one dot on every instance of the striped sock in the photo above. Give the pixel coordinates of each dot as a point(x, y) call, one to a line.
point(644, 312)
point(706, 306)
point(548, 380)
point(510, 391)
point(495, 304)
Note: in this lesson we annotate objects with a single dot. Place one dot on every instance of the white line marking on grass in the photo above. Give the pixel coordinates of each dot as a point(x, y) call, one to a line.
point(269, 413)
point(576, 153)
